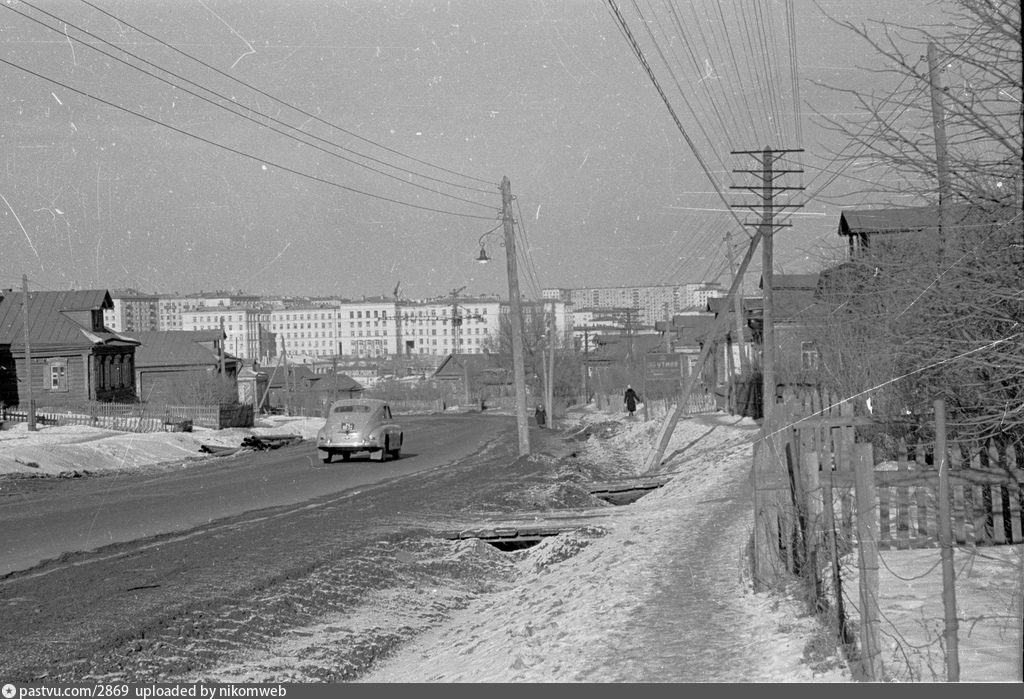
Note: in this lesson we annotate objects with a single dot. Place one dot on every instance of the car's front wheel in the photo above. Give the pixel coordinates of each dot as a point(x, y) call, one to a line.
point(327, 457)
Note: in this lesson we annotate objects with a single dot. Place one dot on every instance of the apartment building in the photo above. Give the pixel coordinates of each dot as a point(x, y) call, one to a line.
point(313, 330)
point(650, 304)
point(132, 311)
point(245, 329)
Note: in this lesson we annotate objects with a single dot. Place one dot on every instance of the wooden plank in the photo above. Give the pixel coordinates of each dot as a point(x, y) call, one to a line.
point(885, 538)
point(867, 536)
point(903, 502)
point(814, 423)
point(998, 528)
point(1016, 502)
point(958, 514)
point(925, 516)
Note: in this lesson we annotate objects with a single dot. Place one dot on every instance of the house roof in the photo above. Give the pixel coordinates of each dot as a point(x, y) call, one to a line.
point(619, 346)
point(176, 348)
point(486, 368)
point(299, 373)
point(917, 218)
point(51, 318)
point(458, 363)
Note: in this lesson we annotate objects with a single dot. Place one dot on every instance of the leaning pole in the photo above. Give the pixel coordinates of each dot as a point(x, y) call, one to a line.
point(666, 433)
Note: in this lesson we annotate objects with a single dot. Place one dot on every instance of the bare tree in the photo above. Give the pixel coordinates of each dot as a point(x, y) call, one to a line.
point(979, 61)
point(909, 320)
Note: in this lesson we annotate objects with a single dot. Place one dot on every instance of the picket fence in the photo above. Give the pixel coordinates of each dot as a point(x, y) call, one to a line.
point(137, 417)
point(818, 495)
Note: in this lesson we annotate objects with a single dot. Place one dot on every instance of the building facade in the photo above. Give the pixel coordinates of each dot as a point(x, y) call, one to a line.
point(650, 304)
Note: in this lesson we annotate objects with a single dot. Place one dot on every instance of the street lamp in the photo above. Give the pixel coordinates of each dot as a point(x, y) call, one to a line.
point(518, 372)
point(482, 258)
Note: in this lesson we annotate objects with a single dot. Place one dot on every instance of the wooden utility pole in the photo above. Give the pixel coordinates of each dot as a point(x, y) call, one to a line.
point(515, 318)
point(946, 547)
point(586, 366)
point(549, 395)
point(737, 303)
point(221, 346)
point(654, 460)
point(766, 226)
point(941, 157)
point(31, 414)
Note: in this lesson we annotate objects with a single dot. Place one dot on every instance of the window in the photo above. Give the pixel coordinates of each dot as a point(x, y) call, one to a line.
point(809, 356)
point(58, 370)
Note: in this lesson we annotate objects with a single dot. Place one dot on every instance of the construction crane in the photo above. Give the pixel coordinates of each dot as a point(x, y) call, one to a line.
point(456, 319)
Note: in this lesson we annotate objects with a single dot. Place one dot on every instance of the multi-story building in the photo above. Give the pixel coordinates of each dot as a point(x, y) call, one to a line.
point(454, 326)
point(305, 330)
point(649, 303)
point(245, 329)
point(132, 311)
point(315, 331)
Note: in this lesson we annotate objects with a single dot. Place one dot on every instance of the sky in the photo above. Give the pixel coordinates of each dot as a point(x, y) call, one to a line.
point(603, 608)
point(345, 147)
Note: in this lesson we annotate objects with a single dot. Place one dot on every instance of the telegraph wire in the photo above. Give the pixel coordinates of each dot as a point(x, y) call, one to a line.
point(528, 259)
point(235, 106)
point(735, 63)
point(613, 7)
point(678, 24)
point(731, 107)
point(236, 151)
point(794, 72)
point(280, 101)
point(682, 93)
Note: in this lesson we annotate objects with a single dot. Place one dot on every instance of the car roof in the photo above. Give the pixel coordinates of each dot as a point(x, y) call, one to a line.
point(372, 402)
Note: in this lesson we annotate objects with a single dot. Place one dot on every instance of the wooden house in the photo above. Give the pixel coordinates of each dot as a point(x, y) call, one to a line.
point(180, 366)
point(796, 313)
point(73, 357)
point(474, 378)
point(894, 230)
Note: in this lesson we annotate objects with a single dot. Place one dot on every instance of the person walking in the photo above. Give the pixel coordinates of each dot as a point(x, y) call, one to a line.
point(630, 399)
point(541, 415)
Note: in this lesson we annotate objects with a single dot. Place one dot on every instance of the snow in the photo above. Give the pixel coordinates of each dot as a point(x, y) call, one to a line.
point(597, 605)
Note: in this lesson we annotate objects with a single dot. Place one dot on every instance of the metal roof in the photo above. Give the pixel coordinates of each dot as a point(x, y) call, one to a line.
point(176, 348)
point(919, 218)
point(51, 318)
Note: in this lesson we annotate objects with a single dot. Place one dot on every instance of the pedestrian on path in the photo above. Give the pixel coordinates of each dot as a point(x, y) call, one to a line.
point(630, 399)
point(541, 415)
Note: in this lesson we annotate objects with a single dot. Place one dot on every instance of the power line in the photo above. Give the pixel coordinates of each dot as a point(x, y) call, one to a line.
point(280, 101)
point(234, 106)
point(235, 150)
point(613, 7)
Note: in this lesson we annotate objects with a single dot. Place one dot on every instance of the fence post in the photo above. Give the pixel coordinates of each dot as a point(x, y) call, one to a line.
point(867, 546)
point(946, 546)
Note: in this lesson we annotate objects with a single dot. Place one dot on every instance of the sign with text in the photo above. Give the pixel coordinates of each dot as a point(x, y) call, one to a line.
point(660, 367)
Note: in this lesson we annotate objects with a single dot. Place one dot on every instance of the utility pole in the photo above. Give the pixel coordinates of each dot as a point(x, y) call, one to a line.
point(220, 346)
point(31, 414)
point(766, 226)
point(737, 302)
point(456, 320)
point(668, 330)
point(586, 365)
point(515, 318)
point(941, 157)
point(654, 459)
point(550, 385)
point(398, 330)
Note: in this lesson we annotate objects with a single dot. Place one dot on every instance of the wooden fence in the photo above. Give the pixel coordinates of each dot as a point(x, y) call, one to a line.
point(137, 417)
point(819, 495)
